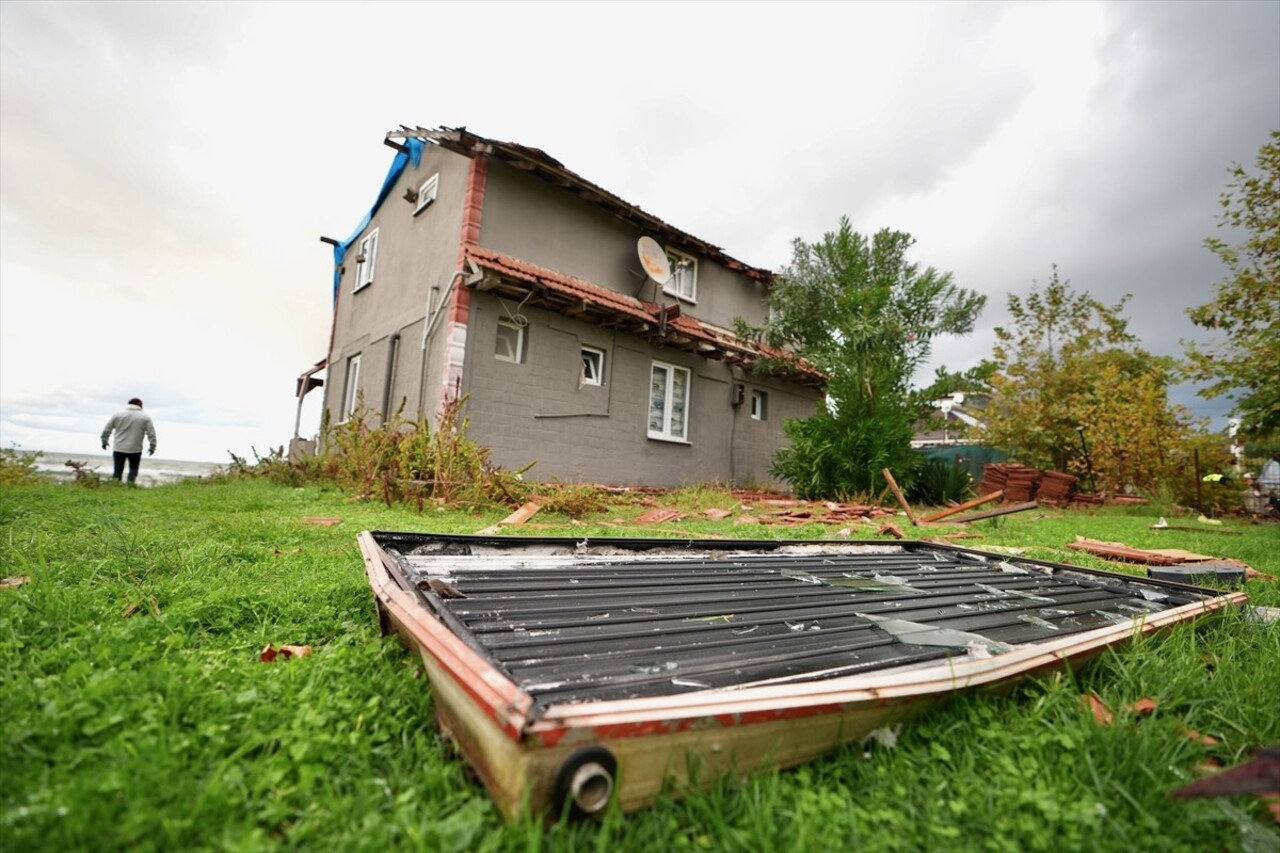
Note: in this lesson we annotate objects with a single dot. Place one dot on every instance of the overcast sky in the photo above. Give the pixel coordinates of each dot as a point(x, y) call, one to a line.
point(166, 170)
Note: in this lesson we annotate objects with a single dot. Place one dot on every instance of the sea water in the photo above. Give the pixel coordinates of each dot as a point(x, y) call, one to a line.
point(151, 472)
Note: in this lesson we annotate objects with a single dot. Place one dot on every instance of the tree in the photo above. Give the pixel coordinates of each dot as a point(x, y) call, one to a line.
point(1069, 366)
point(858, 310)
point(1245, 364)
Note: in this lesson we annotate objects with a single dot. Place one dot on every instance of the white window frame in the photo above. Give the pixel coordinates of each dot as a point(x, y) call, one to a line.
point(683, 284)
point(427, 193)
point(504, 323)
point(351, 391)
point(594, 375)
point(368, 249)
point(759, 404)
point(667, 433)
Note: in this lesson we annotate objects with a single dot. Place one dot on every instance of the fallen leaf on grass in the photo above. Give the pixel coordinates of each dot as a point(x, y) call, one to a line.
point(1142, 707)
point(1207, 740)
point(323, 522)
point(270, 652)
point(294, 551)
point(16, 580)
point(133, 608)
point(1092, 703)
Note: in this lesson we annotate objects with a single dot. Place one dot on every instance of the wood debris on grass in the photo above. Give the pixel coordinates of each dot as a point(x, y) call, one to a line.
point(897, 494)
point(718, 514)
point(892, 530)
point(520, 516)
point(270, 653)
point(658, 516)
point(993, 513)
point(15, 581)
point(958, 508)
point(1123, 552)
point(322, 522)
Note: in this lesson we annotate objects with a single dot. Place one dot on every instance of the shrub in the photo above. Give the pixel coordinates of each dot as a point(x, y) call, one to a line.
point(938, 481)
point(18, 466)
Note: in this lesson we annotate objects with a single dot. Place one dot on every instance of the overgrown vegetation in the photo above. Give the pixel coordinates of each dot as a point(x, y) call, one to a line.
point(18, 466)
point(136, 714)
point(861, 312)
point(406, 462)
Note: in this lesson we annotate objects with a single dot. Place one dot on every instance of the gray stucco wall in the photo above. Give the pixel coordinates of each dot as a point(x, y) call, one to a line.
point(536, 411)
point(529, 219)
point(416, 258)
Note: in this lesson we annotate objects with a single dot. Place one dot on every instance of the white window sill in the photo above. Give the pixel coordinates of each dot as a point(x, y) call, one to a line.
point(669, 440)
point(691, 300)
point(361, 287)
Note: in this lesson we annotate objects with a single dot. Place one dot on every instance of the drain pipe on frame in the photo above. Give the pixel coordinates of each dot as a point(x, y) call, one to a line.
point(429, 325)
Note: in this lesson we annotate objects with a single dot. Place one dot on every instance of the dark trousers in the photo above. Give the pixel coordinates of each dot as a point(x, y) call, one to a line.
point(119, 458)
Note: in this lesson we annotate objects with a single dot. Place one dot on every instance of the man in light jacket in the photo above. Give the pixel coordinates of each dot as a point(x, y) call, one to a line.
point(130, 425)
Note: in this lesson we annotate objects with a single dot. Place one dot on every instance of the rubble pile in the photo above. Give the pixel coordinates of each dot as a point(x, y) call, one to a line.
point(1021, 483)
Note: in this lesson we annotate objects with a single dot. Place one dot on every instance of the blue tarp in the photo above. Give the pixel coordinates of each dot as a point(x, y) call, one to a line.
point(402, 159)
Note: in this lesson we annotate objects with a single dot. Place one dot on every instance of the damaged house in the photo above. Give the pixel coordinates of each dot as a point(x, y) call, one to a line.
point(584, 333)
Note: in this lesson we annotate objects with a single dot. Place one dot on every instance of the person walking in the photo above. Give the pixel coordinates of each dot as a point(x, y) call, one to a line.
point(130, 425)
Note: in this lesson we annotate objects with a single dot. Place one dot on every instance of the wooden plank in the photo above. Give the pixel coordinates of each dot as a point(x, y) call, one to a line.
point(994, 496)
point(992, 513)
point(897, 493)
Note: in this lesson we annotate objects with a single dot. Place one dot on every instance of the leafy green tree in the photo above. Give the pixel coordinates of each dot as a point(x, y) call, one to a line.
point(857, 309)
point(1067, 363)
point(1245, 364)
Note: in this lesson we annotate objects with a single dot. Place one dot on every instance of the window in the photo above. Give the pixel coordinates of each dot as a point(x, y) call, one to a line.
point(683, 283)
point(366, 259)
point(668, 402)
point(509, 345)
point(592, 367)
point(427, 193)
point(759, 405)
point(350, 393)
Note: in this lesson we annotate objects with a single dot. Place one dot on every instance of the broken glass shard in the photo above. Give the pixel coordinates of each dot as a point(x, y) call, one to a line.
point(1038, 622)
point(652, 668)
point(927, 635)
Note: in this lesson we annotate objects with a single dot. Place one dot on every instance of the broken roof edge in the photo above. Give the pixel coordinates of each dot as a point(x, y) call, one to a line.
point(575, 297)
point(548, 168)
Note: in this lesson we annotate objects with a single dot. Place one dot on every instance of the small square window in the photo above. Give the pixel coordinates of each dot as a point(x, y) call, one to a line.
point(427, 193)
point(683, 283)
point(759, 405)
point(592, 371)
point(509, 345)
point(366, 259)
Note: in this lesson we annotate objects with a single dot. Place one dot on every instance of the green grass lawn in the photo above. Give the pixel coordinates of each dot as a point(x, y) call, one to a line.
point(136, 713)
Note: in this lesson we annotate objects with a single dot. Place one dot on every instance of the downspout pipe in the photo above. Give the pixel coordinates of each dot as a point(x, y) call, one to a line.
point(393, 344)
point(429, 328)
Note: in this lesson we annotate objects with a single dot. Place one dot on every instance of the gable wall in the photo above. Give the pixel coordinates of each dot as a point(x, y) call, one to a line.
point(415, 254)
point(531, 220)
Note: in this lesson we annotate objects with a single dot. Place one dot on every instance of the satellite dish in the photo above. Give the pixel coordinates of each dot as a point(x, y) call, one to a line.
point(653, 259)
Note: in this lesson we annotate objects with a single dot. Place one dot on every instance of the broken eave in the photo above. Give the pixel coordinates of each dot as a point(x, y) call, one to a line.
point(511, 278)
point(538, 163)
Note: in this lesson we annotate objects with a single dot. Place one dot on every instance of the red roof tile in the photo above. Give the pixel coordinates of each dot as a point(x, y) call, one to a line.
point(720, 343)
